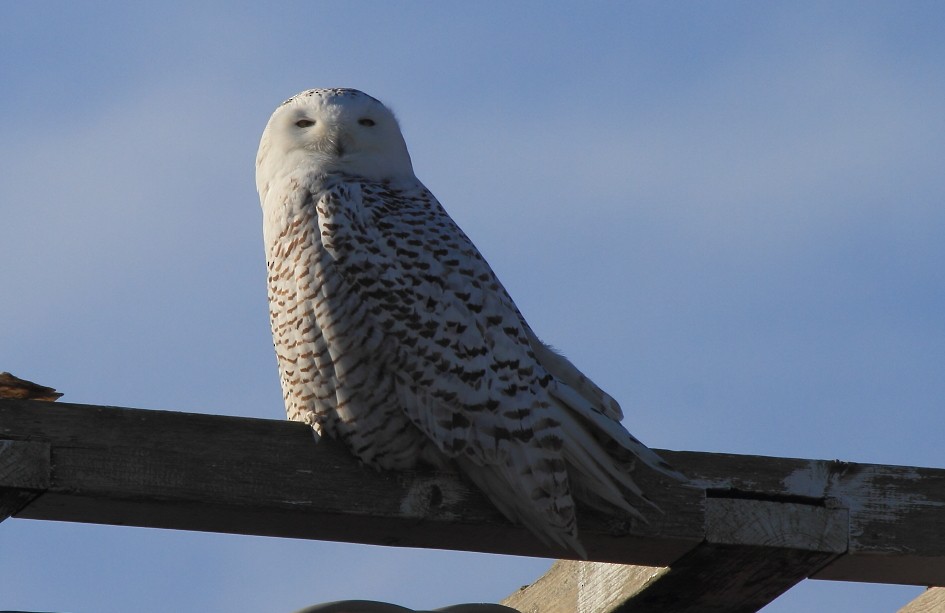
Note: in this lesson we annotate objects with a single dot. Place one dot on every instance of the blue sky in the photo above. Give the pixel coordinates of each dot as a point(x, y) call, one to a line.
point(730, 215)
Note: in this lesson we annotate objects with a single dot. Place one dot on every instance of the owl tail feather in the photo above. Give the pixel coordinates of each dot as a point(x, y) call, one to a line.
point(602, 455)
point(503, 491)
point(609, 430)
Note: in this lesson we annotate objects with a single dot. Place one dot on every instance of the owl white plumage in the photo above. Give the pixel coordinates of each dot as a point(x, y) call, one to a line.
point(394, 335)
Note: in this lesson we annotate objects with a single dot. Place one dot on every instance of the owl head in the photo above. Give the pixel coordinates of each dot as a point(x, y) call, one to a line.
point(333, 130)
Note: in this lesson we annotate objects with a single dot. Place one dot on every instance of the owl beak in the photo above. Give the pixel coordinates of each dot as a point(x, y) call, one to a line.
point(338, 142)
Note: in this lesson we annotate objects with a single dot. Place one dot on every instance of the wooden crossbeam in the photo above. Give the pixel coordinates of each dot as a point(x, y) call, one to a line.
point(24, 474)
point(896, 513)
point(252, 476)
point(930, 601)
point(749, 528)
point(754, 551)
point(810, 518)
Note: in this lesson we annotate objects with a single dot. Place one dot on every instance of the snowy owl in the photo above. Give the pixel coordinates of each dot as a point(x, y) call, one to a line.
point(394, 335)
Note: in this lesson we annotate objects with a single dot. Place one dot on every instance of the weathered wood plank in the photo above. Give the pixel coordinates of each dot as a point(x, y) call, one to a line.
point(24, 464)
point(754, 552)
point(726, 579)
point(226, 474)
point(588, 587)
point(897, 513)
point(932, 600)
point(251, 476)
point(24, 474)
point(13, 500)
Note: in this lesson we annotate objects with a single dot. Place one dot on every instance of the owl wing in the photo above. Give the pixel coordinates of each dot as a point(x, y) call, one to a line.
point(465, 360)
point(455, 334)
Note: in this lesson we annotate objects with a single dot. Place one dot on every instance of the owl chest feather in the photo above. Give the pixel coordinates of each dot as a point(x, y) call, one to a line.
point(335, 363)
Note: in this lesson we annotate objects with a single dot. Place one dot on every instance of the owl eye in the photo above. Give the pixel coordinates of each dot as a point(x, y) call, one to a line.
point(304, 123)
point(366, 122)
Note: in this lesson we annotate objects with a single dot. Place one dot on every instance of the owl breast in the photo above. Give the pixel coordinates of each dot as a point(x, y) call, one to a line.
point(334, 362)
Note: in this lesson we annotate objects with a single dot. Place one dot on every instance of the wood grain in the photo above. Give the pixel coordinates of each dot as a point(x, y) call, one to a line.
point(251, 476)
point(896, 513)
point(745, 530)
point(931, 600)
point(754, 551)
point(24, 474)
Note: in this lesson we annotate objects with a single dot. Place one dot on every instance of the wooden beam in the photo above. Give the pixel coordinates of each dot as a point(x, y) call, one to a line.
point(754, 551)
point(252, 476)
point(227, 474)
point(571, 586)
point(24, 474)
point(932, 600)
point(896, 513)
point(827, 520)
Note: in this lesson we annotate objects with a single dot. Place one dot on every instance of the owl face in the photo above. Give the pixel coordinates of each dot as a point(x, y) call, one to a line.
point(335, 130)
